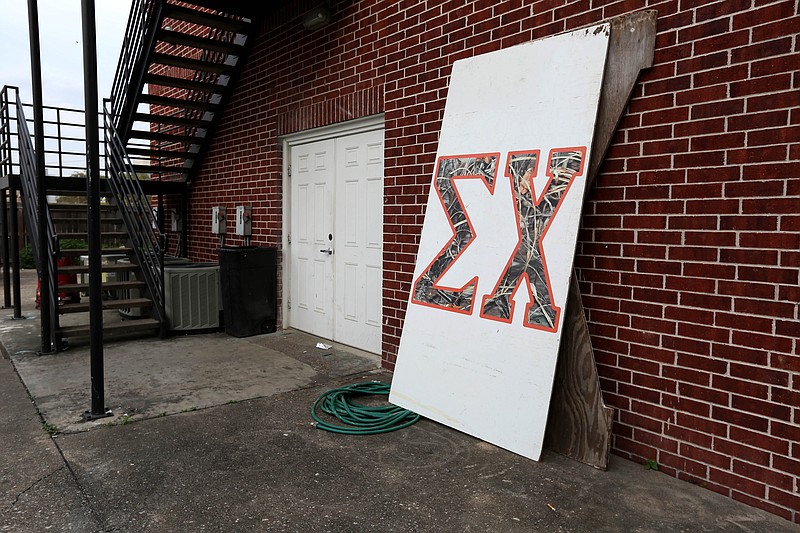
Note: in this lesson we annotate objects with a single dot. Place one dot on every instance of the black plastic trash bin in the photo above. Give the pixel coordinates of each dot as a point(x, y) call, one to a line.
point(249, 285)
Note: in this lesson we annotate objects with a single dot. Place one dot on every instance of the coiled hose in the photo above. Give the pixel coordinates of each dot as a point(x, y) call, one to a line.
point(361, 419)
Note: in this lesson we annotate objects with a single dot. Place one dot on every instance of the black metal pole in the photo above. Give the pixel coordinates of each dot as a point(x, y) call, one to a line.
point(184, 252)
point(38, 128)
point(98, 409)
point(4, 249)
point(7, 170)
point(15, 252)
point(160, 212)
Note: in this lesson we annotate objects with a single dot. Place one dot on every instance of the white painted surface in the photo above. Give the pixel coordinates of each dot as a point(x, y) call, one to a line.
point(311, 292)
point(359, 240)
point(486, 377)
point(337, 205)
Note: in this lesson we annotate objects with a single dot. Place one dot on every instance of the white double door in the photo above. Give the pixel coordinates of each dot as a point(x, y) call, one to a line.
point(336, 239)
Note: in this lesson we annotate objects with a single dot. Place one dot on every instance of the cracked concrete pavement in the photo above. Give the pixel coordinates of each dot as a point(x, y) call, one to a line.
point(37, 489)
point(219, 437)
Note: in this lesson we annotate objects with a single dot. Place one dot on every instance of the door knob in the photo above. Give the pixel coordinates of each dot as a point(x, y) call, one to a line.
point(328, 251)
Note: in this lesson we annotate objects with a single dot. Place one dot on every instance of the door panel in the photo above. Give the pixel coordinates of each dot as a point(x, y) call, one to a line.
point(337, 205)
point(311, 277)
point(359, 252)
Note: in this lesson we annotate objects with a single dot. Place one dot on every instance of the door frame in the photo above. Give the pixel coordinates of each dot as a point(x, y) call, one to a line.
point(343, 129)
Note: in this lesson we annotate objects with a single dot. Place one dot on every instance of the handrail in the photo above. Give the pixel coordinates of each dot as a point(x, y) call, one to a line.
point(29, 181)
point(8, 163)
point(149, 243)
point(9, 248)
point(64, 135)
point(143, 23)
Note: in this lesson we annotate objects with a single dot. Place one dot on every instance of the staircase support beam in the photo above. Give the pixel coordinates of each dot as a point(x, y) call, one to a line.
point(137, 79)
point(4, 249)
point(15, 281)
point(184, 244)
point(98, 409)
point(38, 125)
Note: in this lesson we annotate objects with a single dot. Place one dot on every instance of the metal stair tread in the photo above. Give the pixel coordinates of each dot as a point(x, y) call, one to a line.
point(104, 235)
point(167, 137)
point(190, 63)
point(147, 152)
point(194, 41)
point(72, 186)
point(103, 220)
point(107, 286)
point(156, 169)
point(176, 102)
point(211, 20)
point(183, 83)
point(81, 207)
point(107, 304)
point(126, 326)
point(104, 251)
point(166, 119)
point(109, 267)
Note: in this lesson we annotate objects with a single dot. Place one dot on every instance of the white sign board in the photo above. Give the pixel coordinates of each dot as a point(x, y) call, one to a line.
point(481, 334)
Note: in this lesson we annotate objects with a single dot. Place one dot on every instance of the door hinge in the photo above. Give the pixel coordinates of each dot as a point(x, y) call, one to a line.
point(289, 170)
point(289, 238)
point(289, 304)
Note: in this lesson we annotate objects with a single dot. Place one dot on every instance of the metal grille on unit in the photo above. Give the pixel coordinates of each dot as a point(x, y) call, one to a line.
point(193, 296)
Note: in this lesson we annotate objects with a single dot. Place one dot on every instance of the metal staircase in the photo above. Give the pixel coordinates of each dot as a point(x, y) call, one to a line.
point(120, 271)
point(66, 230)
point(177, 68)
point(174, 78)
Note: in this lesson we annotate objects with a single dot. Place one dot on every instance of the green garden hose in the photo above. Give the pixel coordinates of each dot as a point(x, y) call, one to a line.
point(361, 419)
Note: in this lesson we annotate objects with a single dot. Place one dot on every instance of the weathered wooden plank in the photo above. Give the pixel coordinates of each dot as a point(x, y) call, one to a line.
point(630, 49)
point(579, 423)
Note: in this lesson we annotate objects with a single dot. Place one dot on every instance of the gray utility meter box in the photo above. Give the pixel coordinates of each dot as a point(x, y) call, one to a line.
point(218, 220)
point(243, 219)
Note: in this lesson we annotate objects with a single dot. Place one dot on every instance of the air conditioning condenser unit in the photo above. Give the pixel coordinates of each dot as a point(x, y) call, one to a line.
point(193, 296)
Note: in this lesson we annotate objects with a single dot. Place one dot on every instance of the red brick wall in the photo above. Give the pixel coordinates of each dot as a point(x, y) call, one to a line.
point(688, 255)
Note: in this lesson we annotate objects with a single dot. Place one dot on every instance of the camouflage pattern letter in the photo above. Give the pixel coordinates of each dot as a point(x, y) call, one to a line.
point(426, 289)
point(534, 216)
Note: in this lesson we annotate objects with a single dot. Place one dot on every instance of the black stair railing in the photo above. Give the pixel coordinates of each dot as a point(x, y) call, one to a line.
point(8, 165)
point(140, 35)
point(29, 181)
point(64, 137)
point(148, 242)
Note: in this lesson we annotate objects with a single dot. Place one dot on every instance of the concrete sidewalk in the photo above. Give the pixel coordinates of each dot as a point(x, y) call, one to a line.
point(212, 433)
